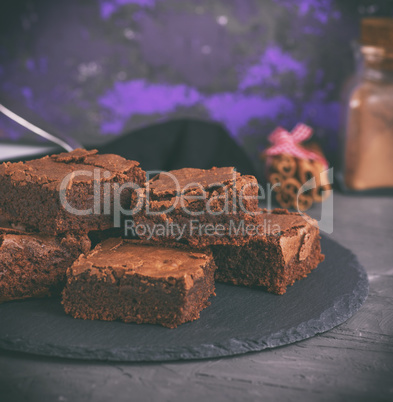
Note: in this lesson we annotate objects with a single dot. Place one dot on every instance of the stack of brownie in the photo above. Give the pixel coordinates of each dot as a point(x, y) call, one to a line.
point(39, 238)
point(251, 246)
point(193, 226)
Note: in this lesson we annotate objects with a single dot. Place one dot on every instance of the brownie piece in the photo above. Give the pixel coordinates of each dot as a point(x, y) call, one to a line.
point(136, 281)
point(30, 191)
point(284, 249)
point(182, 205)
point(34, 265)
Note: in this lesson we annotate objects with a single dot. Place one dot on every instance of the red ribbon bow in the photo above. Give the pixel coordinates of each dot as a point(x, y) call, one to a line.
point(287, 143)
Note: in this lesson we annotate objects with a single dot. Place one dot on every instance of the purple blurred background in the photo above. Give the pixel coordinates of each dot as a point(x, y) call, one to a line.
point(98, 69)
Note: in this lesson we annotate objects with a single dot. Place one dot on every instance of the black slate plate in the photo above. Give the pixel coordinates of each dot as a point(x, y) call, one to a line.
point(239, 320)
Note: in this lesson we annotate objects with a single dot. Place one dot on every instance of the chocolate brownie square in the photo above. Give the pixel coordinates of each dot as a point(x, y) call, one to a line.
point(191, 205)
point(135, 281)
point(285, 248)
point(87, 181)
point(34, 265)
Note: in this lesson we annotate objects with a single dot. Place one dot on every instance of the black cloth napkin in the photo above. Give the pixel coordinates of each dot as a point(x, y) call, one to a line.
point(181, 143)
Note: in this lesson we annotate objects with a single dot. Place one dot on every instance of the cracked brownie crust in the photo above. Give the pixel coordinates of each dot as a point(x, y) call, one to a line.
point(196, 197)
point(136, 281)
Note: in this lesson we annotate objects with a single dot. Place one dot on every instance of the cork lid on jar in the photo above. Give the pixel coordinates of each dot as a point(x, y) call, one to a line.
point(377, 42)
point(377, 32)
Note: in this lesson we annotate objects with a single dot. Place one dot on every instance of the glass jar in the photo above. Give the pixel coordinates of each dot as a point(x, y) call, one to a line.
point(368, 149)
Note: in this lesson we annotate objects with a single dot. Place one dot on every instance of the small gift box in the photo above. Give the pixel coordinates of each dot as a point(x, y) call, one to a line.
point(297, 173)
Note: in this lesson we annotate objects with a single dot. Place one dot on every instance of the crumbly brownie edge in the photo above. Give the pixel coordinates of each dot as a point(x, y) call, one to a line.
point(264, 269)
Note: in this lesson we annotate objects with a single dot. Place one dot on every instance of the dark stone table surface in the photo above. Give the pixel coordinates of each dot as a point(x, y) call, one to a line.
point(351, 362)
